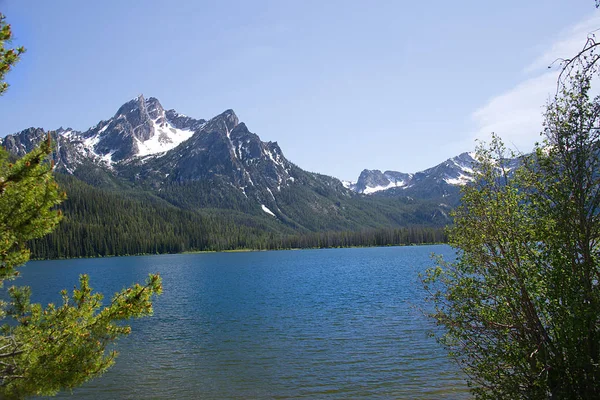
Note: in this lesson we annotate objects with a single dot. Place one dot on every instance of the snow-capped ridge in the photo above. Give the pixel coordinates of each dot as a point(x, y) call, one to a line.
point(455, 171)
point(140, 128)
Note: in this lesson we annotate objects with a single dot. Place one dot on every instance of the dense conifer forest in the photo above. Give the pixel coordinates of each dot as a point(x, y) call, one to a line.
point(99, 222)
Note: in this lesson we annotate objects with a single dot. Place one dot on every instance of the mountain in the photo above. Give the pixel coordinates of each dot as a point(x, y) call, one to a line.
point(164, 162)
point(441, 183)
point(140, 128)
point(143, 142)
point(456, 171)
point(373, 180)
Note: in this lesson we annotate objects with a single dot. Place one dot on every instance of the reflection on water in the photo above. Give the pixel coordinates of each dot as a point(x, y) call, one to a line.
point(340, 323)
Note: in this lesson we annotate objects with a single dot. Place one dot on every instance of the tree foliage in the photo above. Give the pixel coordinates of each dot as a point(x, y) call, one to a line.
point(520, 305)
point(8, 56)
point(44, 350)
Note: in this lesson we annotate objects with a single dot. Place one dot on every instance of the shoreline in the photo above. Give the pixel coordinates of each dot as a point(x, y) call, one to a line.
point(243, 250)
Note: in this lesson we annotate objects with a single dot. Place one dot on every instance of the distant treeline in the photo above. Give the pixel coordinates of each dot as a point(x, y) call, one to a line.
point(365, 238)
point(85, 242)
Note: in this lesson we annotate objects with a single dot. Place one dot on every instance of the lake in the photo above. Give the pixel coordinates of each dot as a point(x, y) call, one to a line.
point(335, 323)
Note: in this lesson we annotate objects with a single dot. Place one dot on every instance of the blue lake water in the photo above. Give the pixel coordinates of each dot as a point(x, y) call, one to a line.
point(338, 323)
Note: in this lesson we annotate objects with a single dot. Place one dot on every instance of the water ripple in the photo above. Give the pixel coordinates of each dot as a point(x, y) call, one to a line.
point(284, 325)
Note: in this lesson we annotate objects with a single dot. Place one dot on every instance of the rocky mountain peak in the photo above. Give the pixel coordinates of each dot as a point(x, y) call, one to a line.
point(139, 128)
point(440, 181)
point(371, 181)
point(24, 142)
point(137, 118)
point(134, 105)
point(223, 123)
point(154, 109)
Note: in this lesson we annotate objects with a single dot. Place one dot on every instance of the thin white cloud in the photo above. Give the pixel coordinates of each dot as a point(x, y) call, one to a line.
point(517, 114)
point(570, 42)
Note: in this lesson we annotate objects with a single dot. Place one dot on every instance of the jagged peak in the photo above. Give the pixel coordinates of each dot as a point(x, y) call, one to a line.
point(26, 131)
point(131, 105)
point(144, 105)
point(370, 171)
point(62, 130)
point(227, 121)
point(140, 101)
point(229, 112)
point(466, 156)
point(229, 116)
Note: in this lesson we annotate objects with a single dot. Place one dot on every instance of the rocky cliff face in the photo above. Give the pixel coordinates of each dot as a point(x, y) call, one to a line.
point(373, 180)
point(140, 127)
point(223, 148)
point(150, 148)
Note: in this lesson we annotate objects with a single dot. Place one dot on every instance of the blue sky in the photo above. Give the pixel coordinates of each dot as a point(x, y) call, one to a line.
point(340, 85)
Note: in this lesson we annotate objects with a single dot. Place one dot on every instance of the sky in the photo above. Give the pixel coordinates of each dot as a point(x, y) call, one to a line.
point(342, 86)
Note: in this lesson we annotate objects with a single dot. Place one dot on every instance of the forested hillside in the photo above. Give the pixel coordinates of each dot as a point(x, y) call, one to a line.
point(100, 222)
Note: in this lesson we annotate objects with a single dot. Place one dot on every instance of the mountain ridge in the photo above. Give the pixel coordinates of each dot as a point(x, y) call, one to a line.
point(142, 130)
point(219, 164)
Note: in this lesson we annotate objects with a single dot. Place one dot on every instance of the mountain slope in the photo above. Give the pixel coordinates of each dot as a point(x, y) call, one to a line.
point(215, 167)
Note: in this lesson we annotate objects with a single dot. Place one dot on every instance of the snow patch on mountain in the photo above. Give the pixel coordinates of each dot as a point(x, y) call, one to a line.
point(165, 138)
point(275, 159)
point(266, 209)
point(370, 190)
point(87, 146)
point(271, 193)
point(348, 184)
point(461, 180)
point(463, 167)
point(90, 142)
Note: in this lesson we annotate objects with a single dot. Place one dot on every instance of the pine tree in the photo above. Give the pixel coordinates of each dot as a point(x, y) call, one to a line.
point(44, 350)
